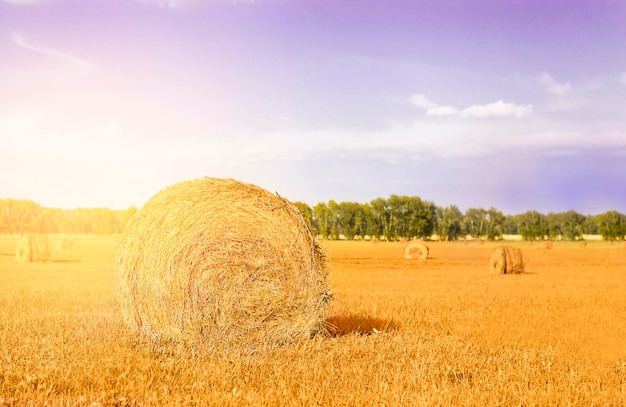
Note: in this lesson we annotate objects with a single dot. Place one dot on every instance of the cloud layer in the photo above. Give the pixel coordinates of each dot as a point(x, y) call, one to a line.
point(552, 86)
point(497, 109)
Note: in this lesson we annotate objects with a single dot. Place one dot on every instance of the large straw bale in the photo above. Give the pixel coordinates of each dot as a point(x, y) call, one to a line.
point(416, 249)
point(222, 263)
point(507, 260)
point(32, 247)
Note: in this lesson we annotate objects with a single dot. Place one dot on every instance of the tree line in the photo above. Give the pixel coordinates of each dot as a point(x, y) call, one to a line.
point(397, 217)
point(408, 217)
point(25, 216)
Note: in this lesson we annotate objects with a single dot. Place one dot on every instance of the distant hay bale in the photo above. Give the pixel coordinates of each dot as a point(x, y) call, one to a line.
point(221, 263)
point(548, 244)
point(67, 244)
point(582, 243)
point(32, 247)
point(506, 260)
point(416, 249)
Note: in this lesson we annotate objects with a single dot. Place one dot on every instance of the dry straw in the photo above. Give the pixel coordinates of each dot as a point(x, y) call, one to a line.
point(416, 249)
point(32, 247)
point(507, 260)
point(221, 263)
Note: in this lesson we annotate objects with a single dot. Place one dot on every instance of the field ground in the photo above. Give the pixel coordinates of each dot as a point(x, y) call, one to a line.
point(443, 331)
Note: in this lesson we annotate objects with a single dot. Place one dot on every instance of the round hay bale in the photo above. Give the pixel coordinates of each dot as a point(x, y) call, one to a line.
point(416, 249)
point(222, 263)
point(582, 243)
point(32, 247)
point(506, 260)
point(67, 244)
point(548, 244)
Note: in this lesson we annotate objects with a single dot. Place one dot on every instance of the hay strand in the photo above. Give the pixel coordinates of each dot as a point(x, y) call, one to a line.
point(222, 263)
point(416, 249)
point(506, 260)
point(32, 248)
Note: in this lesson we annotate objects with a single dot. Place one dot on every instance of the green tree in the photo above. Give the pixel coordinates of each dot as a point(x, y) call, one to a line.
point(510, 225)
point(475, 222)
point(333, 219)
point(495, 223)
point(554, 221)
point(349, 219)
point(381, 216)
point(320, 218)
point(612, 225)
point(572, 225)
point(532, 225)
point(591, 225)
point(449, 222)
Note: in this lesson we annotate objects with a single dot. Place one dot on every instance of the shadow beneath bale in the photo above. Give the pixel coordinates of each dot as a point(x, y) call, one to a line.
point(345, 324)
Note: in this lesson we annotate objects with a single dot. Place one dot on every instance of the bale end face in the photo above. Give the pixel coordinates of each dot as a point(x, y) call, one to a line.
point(416, 250)
point(506, 260)
point(222, 263)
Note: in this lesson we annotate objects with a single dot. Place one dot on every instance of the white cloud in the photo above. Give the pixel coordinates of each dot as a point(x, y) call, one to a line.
point(553, 86)
point(21, 41)
point(432, 109)
point(442, 111)
point(498, 109)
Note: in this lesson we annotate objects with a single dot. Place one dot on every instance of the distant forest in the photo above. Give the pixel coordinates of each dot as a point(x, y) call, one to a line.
point(406, 217)
point(397, 217)
point(22, 216)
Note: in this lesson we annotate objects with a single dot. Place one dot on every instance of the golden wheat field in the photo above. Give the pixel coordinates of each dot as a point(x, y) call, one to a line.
point(437, 332)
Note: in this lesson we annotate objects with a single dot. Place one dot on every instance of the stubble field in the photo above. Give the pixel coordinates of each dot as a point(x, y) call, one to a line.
point(443, 331)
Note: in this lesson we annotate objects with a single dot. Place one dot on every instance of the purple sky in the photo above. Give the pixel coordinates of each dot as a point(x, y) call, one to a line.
point(514, 104)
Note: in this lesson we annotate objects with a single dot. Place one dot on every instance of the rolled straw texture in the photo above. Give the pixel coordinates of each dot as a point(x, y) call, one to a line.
point(224, 263)
point(32, 247)
point(416, 249)
point(507, 260)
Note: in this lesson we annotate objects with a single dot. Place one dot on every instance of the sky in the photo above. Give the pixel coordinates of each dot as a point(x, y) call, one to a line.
point(513, 104)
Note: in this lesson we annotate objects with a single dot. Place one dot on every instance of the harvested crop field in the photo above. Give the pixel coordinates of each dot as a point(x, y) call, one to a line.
point(442, 331)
